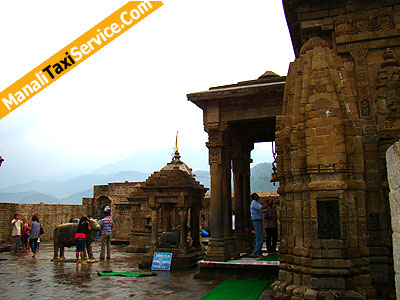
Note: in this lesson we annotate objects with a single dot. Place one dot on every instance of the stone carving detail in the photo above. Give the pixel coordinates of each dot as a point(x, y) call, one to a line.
point(353, 24)
point(365, 107)
point(360, 61)
point(388, 87)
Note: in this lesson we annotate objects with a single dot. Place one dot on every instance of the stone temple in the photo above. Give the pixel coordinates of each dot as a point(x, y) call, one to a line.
point(333, 118)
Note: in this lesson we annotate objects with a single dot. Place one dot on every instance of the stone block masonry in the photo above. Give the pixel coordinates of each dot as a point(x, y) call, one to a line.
point(50, 215)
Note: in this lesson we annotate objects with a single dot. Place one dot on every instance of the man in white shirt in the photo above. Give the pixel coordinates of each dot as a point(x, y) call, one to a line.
point(16, 233)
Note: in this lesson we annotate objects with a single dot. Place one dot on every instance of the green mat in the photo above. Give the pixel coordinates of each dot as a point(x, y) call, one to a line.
point(273, 257)
point(127, 274)
point(237, 290)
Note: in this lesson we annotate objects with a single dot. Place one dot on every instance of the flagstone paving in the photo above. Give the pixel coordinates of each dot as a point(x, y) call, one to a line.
point(24, 277)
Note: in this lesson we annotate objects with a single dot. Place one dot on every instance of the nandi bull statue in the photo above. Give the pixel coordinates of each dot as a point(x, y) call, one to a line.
point(64, 236)
point(171, 239)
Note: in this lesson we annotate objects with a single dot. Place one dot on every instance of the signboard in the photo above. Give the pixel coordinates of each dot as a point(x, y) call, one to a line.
point(161, 261)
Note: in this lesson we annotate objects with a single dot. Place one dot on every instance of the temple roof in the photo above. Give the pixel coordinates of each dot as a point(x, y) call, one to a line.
point(268, 83)
point(177, 164)
point(176, 174)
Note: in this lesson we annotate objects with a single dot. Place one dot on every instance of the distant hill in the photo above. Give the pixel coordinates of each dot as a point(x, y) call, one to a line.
point(28, 197)
point(203, 177)
point(260, 177)
point(35, 198)
point(76, 198)
point(72, 191)
point(62, 189)
point(154, 159)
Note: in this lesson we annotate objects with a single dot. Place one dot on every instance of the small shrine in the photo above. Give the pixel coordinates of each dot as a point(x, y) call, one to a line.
point(174, 199)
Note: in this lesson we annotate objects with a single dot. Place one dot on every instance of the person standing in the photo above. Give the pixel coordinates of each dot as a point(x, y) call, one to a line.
point(270, 225)
point(15, 233)
point(80, 239)
point(106, 224)
point(256, 218)
point(25, 234)
point(35, 234)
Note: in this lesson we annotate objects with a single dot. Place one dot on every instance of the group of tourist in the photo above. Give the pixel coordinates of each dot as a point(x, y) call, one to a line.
point(106, 225)
point(264, 216)
point(25, 233)
point(29, 233)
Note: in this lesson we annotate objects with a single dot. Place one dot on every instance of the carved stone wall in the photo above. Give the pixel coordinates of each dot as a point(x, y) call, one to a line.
point(340, 115)
point(320, 167)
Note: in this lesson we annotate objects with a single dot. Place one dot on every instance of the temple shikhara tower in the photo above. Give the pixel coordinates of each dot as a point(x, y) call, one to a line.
point(340, 114)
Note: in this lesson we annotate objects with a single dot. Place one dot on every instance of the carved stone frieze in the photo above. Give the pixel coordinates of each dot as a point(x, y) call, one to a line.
point(364, 22)
point(388, 86)
point(360, 62)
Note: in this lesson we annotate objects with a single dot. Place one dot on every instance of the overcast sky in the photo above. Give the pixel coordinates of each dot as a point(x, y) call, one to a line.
point(131, 95)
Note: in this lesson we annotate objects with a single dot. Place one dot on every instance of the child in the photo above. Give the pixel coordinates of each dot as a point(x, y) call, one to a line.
point(25, 234)
point(25, 240)
point(80, 239)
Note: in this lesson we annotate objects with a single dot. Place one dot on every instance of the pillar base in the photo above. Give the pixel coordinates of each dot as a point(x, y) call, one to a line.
point(218, 250)
point(242, 243)
point(231, 245)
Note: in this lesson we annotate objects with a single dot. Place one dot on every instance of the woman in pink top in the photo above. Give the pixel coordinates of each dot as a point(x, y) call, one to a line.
point(25, 234)
point(80, 238)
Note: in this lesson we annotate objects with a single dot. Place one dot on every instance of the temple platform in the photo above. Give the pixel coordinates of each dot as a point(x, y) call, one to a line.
point(242, 268)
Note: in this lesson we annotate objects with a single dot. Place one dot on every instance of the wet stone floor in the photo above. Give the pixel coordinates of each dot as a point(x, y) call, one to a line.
point(24, 277)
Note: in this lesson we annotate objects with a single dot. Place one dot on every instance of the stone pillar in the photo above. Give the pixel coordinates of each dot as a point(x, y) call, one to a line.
point(246, 200)
point(195, 226)
point(240, 235)
point(227, 194)
point(393, 163)
point(183, 218)
point(217, 249)
point(242, 242)
point(227, 205)
point(154, 227)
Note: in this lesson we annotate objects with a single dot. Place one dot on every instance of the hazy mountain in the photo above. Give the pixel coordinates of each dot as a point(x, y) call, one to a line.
point(76, 198)
point(35, 185)
point(260, 177)
point(77, 184)
point(203, 177)
point(145, 162)
point(155, 159)
point(72, 191)
point(28, 197)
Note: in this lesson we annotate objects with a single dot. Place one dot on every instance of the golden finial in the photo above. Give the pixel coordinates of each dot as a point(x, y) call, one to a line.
point(176, 142)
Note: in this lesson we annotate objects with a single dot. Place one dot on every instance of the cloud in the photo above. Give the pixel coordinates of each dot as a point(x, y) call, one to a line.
point(131, 95)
